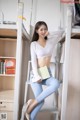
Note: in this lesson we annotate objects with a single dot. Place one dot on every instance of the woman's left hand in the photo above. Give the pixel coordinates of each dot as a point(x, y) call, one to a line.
point(47, 33)
point(39, 81)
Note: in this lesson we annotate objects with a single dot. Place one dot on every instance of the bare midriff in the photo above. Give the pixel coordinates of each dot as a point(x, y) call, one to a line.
point(44, 61)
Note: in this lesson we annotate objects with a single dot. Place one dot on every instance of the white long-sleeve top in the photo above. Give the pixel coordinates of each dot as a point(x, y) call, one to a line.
point(37, 51)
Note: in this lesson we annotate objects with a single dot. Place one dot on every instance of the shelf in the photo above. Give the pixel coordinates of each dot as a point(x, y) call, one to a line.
point(7, 75)
point(8, 33)
point(7, 96)
point(8, 39)
point(8, 47)
point(4, 57)
point(8, 26)
point(7, 30)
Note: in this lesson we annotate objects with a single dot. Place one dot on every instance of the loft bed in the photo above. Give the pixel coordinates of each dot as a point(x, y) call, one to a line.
point(74, 19)
point(10, 30)
point(18, 32)
point(71, 32)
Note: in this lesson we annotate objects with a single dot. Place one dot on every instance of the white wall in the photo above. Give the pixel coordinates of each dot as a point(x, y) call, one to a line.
point(49, 11)
point(73, 100)
point(46, 10)
point(9, 9)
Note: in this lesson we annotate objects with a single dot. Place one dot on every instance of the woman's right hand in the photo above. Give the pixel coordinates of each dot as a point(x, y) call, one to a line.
point(39, 81)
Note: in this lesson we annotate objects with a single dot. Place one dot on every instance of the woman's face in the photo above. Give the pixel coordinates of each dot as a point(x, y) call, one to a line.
point(42, 31)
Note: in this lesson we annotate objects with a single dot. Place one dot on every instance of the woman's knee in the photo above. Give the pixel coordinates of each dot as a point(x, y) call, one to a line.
point(57, 83)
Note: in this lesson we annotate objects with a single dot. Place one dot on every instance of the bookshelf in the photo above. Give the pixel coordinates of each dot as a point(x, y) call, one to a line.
point(7, 53)
point(8, 42)
point(14, 45)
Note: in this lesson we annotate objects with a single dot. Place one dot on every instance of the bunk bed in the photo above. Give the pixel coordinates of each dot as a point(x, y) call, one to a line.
point(71, 32)
point(14, 44)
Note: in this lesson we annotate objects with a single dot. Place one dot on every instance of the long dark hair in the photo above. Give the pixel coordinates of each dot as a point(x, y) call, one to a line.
point(37, 26)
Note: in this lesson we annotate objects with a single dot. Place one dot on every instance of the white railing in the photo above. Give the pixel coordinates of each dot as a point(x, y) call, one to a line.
point(66, 65)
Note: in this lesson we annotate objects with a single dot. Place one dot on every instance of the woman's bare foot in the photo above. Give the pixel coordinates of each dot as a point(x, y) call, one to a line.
point(32, 104)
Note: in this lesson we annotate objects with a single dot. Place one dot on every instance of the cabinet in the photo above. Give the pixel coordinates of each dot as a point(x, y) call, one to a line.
point(8, 40)
point(14, 45)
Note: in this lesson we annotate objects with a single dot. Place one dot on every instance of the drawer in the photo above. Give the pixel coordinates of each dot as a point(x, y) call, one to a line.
point(6, 106)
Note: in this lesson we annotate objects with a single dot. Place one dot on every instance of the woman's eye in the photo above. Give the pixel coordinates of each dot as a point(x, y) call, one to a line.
point(43, 30)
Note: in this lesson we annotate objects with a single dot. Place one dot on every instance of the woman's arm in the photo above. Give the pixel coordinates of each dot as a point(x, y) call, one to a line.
point(34, 62)
point(56, 36)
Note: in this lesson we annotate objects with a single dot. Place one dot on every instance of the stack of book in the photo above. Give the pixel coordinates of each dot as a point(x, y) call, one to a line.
point(7, 66)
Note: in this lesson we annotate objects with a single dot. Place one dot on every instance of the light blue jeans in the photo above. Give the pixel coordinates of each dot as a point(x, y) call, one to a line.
point(40, 94)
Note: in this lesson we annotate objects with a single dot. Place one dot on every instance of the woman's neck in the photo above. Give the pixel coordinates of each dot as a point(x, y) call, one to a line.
point(41, 40)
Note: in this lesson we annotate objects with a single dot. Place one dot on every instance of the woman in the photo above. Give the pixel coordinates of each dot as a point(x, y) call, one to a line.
point(42, 48)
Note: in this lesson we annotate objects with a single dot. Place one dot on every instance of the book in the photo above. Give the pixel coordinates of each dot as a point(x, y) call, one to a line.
point(43, 72)
point(10, 65)
point(1, 67)
point(10, 71)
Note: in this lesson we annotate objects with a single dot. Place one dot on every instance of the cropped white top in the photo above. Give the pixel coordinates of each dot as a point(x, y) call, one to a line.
point(37, 51)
